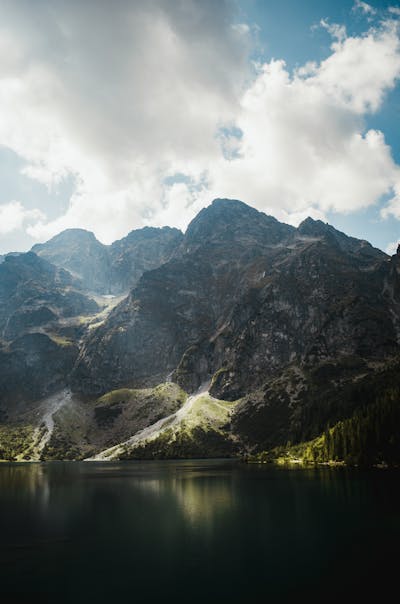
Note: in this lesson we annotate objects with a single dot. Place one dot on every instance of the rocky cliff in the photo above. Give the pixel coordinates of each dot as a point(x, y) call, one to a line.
point(242, 298)
point(289, 330)
point(34, 292)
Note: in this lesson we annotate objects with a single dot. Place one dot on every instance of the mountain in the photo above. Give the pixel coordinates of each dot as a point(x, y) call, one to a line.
point(244, 297)
point(109, 269)
point(267, 335)
point(140, 251)
point(79, 252)
point(38, 301)
point(34, 292)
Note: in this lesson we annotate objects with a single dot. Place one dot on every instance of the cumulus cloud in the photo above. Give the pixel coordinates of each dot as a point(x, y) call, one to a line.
point(154, 109)
point(304, 145)
point(120, 95)
point(14, 216)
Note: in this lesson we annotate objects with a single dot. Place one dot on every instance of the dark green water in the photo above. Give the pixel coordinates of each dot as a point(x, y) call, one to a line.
point(196, 532)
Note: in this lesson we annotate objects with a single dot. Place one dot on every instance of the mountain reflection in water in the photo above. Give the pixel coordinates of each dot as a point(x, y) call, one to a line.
point(203, 531)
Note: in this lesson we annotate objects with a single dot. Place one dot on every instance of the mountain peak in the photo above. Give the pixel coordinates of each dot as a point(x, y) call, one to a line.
point(309, 226)
point(148, 232)
point(70, 236)
point(323, 230)
point(234, 220)
point(227, 203)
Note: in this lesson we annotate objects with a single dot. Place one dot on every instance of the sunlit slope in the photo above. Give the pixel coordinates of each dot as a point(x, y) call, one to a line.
point(200, 428)
point(64, 426)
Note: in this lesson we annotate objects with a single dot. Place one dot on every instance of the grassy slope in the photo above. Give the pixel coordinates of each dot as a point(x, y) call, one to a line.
point(203, 432)
point(83, 429)
point(16, 442)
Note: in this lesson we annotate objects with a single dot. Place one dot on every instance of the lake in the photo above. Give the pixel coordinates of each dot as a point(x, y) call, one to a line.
point(195, 531)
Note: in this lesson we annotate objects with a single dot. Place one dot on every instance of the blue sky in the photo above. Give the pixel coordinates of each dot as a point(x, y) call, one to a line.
point(115, 117)
point(286, 30)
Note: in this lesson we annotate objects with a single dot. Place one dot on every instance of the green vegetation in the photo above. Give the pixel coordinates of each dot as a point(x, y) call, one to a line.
point(196, 442)
point(218, 375)
point(369, 437)
point(16, 442)
point(161, 393)
point(203, 431)
point(302, 402)
point(139, 407)
point(60, 340)
point(60, 447)
point(68, 439)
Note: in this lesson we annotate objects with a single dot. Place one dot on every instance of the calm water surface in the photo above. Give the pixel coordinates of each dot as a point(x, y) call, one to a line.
point(195, 532)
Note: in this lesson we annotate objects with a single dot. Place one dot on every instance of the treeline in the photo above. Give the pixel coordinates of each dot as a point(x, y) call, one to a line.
point(371, 436)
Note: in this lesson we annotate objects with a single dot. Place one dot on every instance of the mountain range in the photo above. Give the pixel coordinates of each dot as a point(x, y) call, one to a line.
point(243, 336)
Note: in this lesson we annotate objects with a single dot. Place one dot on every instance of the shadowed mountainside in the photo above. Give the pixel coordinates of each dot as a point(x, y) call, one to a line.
point(291, 328)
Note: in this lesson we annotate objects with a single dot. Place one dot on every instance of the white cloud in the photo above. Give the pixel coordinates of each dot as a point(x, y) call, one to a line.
point(127, 96)
point(392, 248)
point(392, 207)
point(304, 144)
point(365, 8)
point(118, 95)
point(13, 216)
point(334, 29)
point(361, 69)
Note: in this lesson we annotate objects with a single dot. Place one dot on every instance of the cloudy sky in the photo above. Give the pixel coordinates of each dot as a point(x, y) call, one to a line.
point(115, 115)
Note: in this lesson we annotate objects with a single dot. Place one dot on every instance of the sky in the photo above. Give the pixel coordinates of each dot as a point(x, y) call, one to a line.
point(117, 115)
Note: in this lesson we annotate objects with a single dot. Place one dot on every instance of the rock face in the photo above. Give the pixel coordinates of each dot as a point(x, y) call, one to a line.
point(243, 297)
point(297, 324)
point(35, 297)
point(34, 292)
point(182, 304)
point(140, 251)
point(79, 252)
point(110, 269)
point(31, 367)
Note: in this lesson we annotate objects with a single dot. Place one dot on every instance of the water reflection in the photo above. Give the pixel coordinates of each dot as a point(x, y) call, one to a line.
point(202, 498)
point(207, 531)
point(25, 481)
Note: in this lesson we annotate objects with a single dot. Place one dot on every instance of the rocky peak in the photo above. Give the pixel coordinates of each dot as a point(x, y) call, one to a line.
point(110, 269)
point(27, 267)
point(311, 227)
point(74, 238)
point(79, 252)
point(147, 233)
point(232, 220)
point(317, 229)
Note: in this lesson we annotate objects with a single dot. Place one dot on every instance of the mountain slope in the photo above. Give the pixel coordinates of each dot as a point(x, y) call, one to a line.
point(244, 297)
point(79, 252)
point(110, 269)
point(292, 328)
point(367, 436)
point(34, 292)
point(140, 251)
